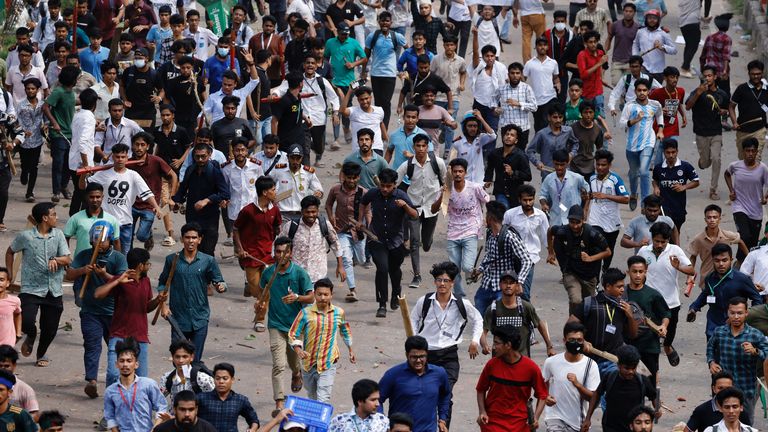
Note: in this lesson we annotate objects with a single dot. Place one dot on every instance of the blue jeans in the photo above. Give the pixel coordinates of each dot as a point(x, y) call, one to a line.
point(112, 372)
point(502, 199)
point(484, 298)
point(319, 385)
point(462, 253)
point(658, 151)
point(599, 104)
point(350, 249)
point(95, 328)
point(197, 337)
point(143, 220)
point(527, 284)
point(447, 131)
point(126, 238)
point(261, 128)
point(60, 164)
point(639, 170)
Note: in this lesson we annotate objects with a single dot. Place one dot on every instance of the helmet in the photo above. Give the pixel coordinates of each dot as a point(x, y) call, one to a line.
point(654, 12)
point(100, 229)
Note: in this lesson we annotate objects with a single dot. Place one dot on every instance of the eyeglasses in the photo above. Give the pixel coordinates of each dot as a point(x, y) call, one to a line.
point(417, 357)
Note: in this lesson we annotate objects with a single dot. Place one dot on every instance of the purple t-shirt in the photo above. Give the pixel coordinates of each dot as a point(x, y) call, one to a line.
point(623, 37)
point(465, 211)
point(749, 185)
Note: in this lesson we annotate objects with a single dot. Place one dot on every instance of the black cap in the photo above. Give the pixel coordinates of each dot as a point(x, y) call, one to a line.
point(295, 150)
point(509, 274)
point(576, 212)
point(342, 28)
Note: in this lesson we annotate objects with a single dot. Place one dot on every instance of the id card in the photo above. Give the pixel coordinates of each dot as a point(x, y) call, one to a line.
point(764, 107)
point(446, 334)
point(610, 328)
point(711, 299)
point(563, 207)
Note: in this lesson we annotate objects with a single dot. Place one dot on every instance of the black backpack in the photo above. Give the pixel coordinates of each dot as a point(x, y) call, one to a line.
point(610, 380)
point(428, 303)
point(196, 367)
point(410, 167)
point(495, 28)
point(392, 36)
point(323, 230)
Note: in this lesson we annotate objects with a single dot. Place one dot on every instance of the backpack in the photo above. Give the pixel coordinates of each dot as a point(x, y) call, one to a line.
point(628, 81)
point(517, 264)
point(610, 380)
point(428, 303)
point(320, 83)
point(637, 315)
point(392, 36)
point(410, 167)
point(495, 28)
point(523, 316)
point(323, 230)
point(196, 367)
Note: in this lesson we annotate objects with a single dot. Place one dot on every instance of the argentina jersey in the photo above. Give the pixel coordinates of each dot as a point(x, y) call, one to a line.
point(641, 135)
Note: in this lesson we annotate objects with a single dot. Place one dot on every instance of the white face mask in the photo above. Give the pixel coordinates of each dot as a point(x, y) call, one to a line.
point(140, 63)
point(223, 52)
point(559, 26)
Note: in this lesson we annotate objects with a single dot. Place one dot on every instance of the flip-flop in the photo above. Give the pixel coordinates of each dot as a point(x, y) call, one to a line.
point(673, 357)
point(260, 327)
point(296, 383)
point(43, 362)
point(26, 347)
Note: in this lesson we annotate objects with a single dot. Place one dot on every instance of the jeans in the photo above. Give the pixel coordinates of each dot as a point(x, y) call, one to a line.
point(422, 230)
point(527, 284)
point(692, 35)
point(388, 265)
point(383, 90)
point(749, 229)
point(484, 298)
point(95, 328)
point(639, 170)
point(59, 165)
point(351, 249)
point(447, 131)
point(142, 220)
point(126, 238)
point(197, 337)
point(462, 253)
point(319, 385)
point(30, 158)
point(599, 101)
point(112, 372)
point(50, 313)
point(260, 129)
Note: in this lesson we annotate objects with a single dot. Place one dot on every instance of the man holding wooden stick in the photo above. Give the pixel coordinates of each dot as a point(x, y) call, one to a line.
point(188, 289)
point(90, 269)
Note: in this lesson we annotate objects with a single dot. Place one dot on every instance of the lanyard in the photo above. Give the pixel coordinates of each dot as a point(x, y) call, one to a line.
point(757, 96)
point(417, 82)
point(269, 41)
point(119, 133)
point(311, 87)
point(610, 313)
point(560, 188)
point(712, 288)
point(133, 398)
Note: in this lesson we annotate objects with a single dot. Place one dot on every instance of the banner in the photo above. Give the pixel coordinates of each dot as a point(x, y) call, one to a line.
point(218, 11)
point(489, 2)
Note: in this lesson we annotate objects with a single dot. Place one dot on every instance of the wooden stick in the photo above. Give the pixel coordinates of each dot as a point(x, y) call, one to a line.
point(264, 298)
point(284, 195)
point(448, 184)
point(93, 169)
point(653, 326)
point(94, 255)
point(11, 165)
point(168, 283)
point(610, 357)
point(406, 314)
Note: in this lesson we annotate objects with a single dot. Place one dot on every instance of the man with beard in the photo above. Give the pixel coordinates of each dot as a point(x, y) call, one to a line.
point(300, 179)
point(509, 165)
point(79, 225)
point(516, 100)
point(230, 127)
point(182, 93)
point(185, 410)
point(653, 43)
point(240, 174)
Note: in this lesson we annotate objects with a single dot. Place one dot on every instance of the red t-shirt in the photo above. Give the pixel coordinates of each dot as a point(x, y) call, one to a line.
point(508, 388)
point(593, 84)
point(669, 102)
point(152, 172)
point(130, 316)
point(257, 230)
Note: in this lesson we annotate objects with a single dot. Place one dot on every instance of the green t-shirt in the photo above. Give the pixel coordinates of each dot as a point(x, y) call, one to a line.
point(114, 263)
point(17, 419)
point(339, 54)
point(655, 307)
point(758, 318)
point(572, 114)
point(62, 103)
point(506, 317)
point(79, 226)
point(281, 315)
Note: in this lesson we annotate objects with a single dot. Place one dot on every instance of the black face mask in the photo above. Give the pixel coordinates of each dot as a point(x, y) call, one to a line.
point(574, 347)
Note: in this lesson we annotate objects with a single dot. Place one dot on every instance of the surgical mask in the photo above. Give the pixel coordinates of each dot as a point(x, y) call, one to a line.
point(222, 52)
point(574, 347)
point(559, 26)
point(140, 63)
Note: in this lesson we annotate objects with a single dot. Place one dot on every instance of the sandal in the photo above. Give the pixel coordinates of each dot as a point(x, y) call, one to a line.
point(3, 228)
point(296, 383)
point(259, 327)
point(43, 362)
point(168, 241)
point(26, 347)
point(673, 357)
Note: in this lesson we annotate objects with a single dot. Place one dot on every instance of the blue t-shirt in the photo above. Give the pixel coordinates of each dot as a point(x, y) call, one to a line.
point(383, 56)
point(399, 142)
point(667, 177)
point(91, 61)
point(157, 35)
point(214, 70)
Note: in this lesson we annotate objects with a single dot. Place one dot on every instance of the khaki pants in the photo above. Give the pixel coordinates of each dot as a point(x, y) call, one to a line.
point(282, 355)
point(578, 289)
point(533, 26)
point(253, 289)
point(618, 70)
point(759, 134)
point(709, 155)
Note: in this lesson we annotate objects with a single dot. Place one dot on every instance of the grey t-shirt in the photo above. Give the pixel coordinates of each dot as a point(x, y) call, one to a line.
point(749, 185)
point(689, 12)
point(639, 228)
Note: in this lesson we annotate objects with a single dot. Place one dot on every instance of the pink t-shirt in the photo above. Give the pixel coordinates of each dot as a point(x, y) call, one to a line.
point(465, 211)
point(8, 306)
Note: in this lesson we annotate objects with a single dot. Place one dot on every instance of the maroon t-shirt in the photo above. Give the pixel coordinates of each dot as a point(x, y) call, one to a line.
point(104, 15)
point(152, 172)
point(257, 229)
point(130, 316)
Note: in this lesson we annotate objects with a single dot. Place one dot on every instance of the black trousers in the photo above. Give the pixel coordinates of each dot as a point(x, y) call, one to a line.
point(227, 222)
point(749, 229)
point(50, 308)
point(421, 233)
point(610, 237)
point(388, 262)
point(5, 183)
point(448, 359)
point(672, 327)
point(574, 8)
point(315, 136)
point(462, 28)
point(615, 9)
point(78, 195)
point(210, 234)
point(30, 158)
point(383, 91)
point(692, 35)
point(651, 361)
point(540, 116)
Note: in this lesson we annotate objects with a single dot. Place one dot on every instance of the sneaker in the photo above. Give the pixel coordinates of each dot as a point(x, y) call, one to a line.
point(335, 146)
point(368, 264)
point(381, 312)
point(103, 424)
point(67, 194)
point(714, 196)
point(633, 202)
point(31, 198)
point(394, 304)
point(319, 164)
point(228, 242)
point(348, 136)
point(56, 198)
point(351, 297)
point(415, 282)
point(686, 73)
point(91, 390)
point(149, 244)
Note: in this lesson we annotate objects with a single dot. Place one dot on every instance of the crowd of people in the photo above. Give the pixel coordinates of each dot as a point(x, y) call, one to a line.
point(148, 113)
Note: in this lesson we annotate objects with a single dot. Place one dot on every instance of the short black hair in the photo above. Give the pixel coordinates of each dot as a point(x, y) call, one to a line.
point(91, 187)
point(283, 240)
point(560, 155)
point(671, 71)
point(510, 335)
point(192, 226)
point(727, 393)
point(644, 82)
point(733, 301)
point(652, 201)
point(128, 344)
point(587, 104)
point(574, 327)
point(445, 267)
point(182, 344)
point(88, 99)
point(40, 210)
point(34, 81)
point(487, 49)
point(576, 82)
point(635, 59)
point(713, 207)
point(121, 148)
point(604, 154)
point(495, 210)
point(50, 418)
point(721, 248)
point(560, 14)
point(755, 64)
point(591, 34)
point(628, 355)
point(556, 108)
point(527, 190)
point(309, 201)
point(459, 162)
point(749, 143)
point(636, 259)
point(224, 366)
point(411, 108)
point(662, 229)
point(264, 183)
point(612, 275)
point(400, 418)
point(351, 169)
point(388, 176)
point(420, 137)
point(723, 374)
point(416, 342)
point(137, 256)
point(669, 143)
point(638, 411)
point(176, 19)
point(184, 396)
point(363, 90)
point(362, 389)
point(230, 99)
point(515, 66)
point(8, 352)
point(141, 135)
point(709, 67)
point(324, 283)
point(366, 131)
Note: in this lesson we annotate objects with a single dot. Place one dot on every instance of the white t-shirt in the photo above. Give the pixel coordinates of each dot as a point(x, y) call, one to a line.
point(661, 275)
point(359, 119)
point(570, 406)
point(756, 266)
point(121, 191)
point(604, 213)
point(539, 76)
